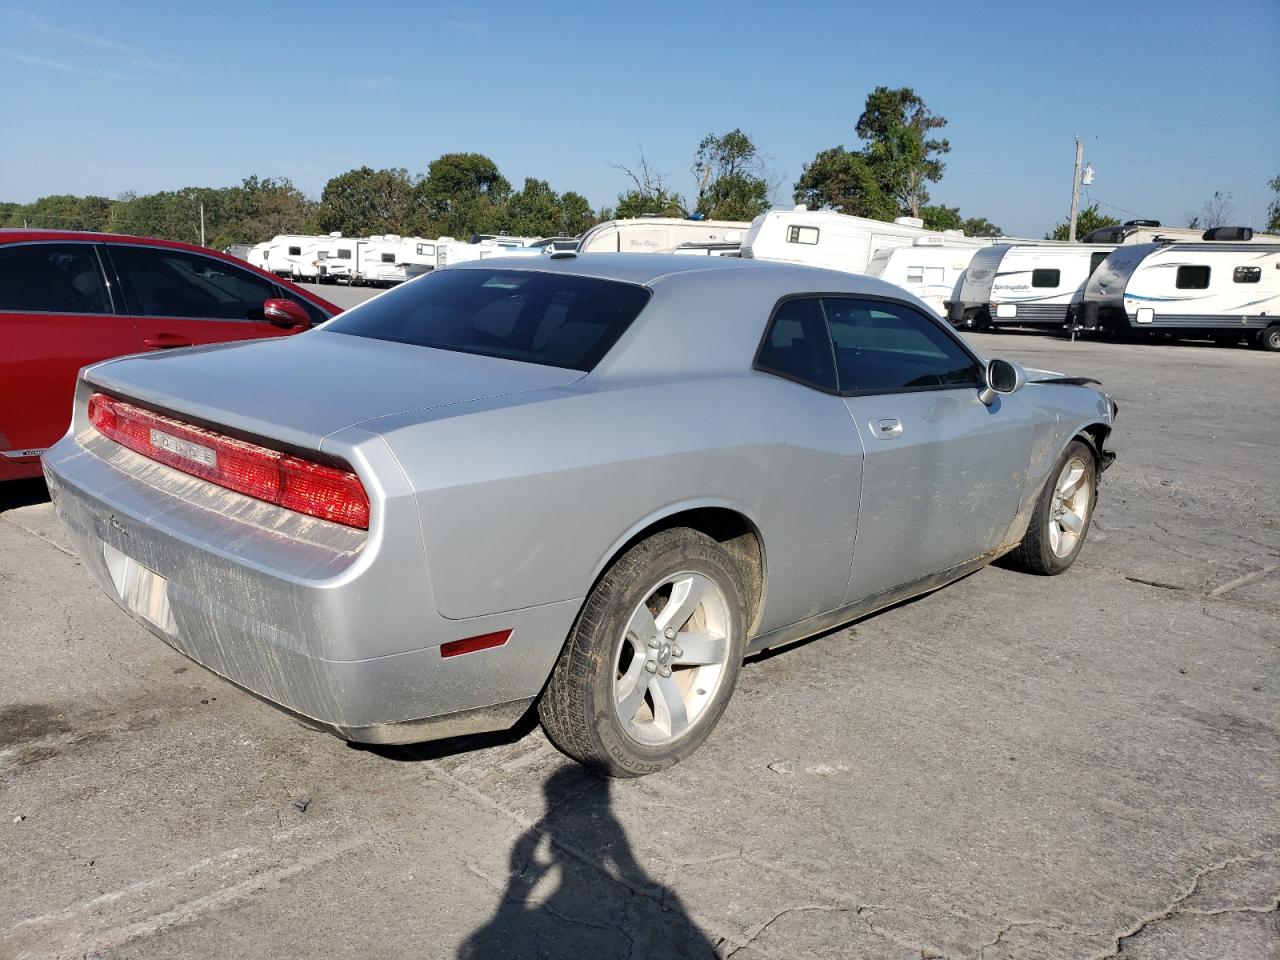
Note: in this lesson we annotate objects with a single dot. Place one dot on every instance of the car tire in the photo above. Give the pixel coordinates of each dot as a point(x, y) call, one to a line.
point(1052, 541)
point(1269, 339)
point(634, 691)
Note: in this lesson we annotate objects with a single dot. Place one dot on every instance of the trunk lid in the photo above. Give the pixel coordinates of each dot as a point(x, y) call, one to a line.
point(298, 390)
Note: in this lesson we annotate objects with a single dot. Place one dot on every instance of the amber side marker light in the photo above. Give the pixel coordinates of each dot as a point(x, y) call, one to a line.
point(256, 471)
point(485, 641)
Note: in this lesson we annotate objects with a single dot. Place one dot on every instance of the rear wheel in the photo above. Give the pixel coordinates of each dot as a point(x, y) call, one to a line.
point(653, 658)
point(1062, 515)
point(1269, 339)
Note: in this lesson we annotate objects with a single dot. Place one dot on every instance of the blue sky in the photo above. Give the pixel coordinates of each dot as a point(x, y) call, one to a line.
point(1173, 99)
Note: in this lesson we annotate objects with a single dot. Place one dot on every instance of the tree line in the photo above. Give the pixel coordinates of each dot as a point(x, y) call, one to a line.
point(888, 175)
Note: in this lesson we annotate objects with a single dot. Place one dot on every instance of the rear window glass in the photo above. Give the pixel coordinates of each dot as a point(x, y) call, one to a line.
point(548, 318)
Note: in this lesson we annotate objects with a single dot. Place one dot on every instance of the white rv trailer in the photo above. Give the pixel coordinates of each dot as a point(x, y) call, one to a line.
point(929, 268)
point(657, 234)
point(823, 238)
point(308, 265)
point(1031, 284)
point(294, 255)
point(1216, 288)
point(258, 255)
point(449, 250)
point(238, 250)
point(346, 259)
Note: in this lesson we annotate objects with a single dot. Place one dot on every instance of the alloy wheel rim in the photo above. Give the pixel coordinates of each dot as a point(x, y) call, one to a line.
point(671, 659)
point(1069, 511)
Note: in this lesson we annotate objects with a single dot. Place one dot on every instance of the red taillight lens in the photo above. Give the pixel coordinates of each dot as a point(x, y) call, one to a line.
point(287, 481)
point(486, 641)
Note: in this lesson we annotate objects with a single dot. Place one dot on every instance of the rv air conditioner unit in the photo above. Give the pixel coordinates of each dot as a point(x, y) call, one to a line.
point(930, 241)
point(1142, 223)
point(909, 222)
point(1228, 233)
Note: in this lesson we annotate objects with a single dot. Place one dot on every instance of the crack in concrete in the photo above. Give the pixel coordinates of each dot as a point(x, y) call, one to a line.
point(1174, 907)
point(40, 536)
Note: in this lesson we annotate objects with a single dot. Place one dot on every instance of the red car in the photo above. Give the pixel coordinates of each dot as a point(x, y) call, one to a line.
point(69, 298)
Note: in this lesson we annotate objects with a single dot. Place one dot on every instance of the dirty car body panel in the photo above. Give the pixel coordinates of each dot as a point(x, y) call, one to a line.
point(502, 485)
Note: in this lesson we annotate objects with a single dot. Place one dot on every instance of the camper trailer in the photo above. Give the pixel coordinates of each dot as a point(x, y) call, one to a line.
point(929, 268)
point(1226, 287)
point(657, 234)
point(294, 255)
point(449, 250)
point(346, 259)
point(821, 238)
point(1031, 284)
point(258, 255)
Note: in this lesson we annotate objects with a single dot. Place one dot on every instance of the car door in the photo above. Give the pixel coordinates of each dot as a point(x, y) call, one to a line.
point(943, 471)
point(57, 314)
point(179, 297)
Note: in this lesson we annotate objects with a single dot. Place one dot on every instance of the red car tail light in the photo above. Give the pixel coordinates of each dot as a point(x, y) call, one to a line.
point(486, 641)
point(259, 472)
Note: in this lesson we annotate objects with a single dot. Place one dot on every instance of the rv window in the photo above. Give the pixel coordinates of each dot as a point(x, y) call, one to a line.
point(1046, 278)
point(343, 255)
point(915, 274)
point(1192, 278)
point(797, 346)
point(295, 251)
point(426, 250)
point(934, 275)
point(807, 235)
point(1095, 261)
point(1247, 275)
point(388, 258)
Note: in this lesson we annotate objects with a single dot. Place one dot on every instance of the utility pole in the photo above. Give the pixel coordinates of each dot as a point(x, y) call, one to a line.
point(1075, 190)
point(1073, 209)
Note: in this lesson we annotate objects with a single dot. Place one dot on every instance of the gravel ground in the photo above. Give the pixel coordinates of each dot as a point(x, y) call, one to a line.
point(1011, 767)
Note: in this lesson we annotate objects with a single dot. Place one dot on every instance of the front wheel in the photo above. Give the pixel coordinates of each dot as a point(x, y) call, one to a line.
point(653, 658)
point(1060, 521)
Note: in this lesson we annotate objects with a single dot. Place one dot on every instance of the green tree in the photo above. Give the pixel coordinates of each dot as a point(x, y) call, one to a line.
point(844, 180)
point(1089, 219)
point(887, 177)
point(462, 194)
point(980, 227)
point(940, 217)
point(895, 125)
point(730, 177)
point(576, 215)
point(64, 212)
point(1273, 211)
point(948, 218)
point(651, 196)
point(366, 201)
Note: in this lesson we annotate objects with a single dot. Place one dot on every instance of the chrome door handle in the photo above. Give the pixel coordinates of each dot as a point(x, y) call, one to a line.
point(888, 428)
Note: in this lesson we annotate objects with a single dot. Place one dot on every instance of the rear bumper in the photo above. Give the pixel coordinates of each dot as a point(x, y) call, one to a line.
point(334, 627)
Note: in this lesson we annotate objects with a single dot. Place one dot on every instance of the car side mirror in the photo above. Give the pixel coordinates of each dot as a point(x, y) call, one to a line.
point(285, 313)
point(1002, 376)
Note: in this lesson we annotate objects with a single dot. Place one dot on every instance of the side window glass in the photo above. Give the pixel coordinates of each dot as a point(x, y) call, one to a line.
point(1046, 278)
point(1192, 278)
point(1247, 275)
point(881, 347)
point(1095, 261)
point(797, 346)
point(51, 278)
point(174, 283)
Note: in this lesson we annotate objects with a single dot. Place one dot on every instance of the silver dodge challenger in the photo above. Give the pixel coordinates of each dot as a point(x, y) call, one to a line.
point(590, 483)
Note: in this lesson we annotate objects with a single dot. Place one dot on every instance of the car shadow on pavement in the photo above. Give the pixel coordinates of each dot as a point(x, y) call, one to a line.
point(574, 888)
point(22, 493)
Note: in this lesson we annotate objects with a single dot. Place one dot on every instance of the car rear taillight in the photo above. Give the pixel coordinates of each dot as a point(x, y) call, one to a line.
point(259, 472)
